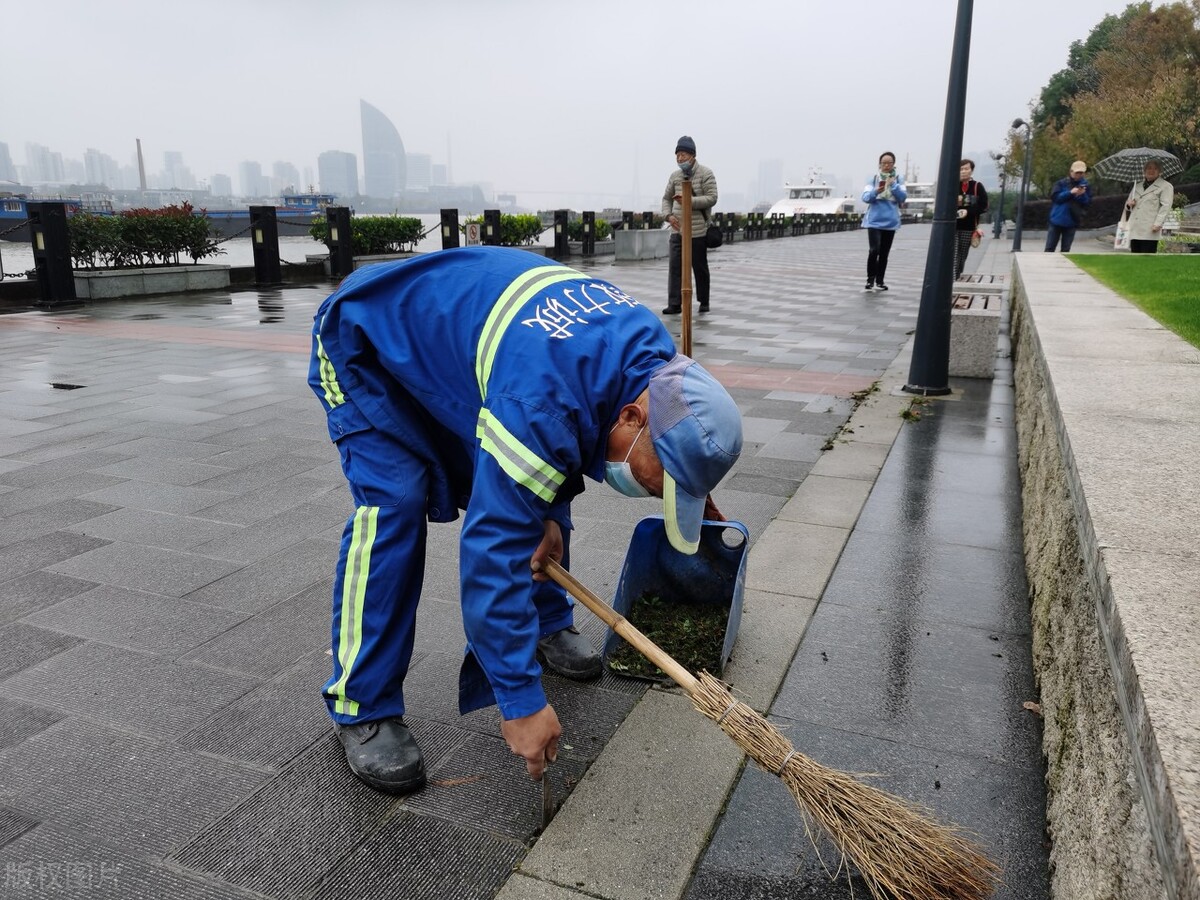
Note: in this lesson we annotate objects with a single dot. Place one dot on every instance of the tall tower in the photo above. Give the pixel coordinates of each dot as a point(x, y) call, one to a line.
point(384, 161)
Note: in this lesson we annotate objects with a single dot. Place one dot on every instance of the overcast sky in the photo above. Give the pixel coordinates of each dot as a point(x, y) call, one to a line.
point(549, 99)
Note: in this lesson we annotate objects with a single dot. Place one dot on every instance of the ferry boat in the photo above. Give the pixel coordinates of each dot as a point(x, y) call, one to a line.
point(919, 205)
point(807, 199)
point(293, 215)
point(14, 211)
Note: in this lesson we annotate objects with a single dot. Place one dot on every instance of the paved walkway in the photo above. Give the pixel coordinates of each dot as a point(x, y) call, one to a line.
point(171, 510)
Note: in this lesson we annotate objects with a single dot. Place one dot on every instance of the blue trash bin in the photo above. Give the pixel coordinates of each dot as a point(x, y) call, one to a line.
point(716, 573)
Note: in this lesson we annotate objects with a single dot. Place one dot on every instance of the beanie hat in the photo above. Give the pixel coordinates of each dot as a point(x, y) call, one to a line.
point(686, 144)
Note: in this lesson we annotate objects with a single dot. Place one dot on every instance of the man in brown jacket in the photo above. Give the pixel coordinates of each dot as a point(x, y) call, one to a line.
point(704, 198)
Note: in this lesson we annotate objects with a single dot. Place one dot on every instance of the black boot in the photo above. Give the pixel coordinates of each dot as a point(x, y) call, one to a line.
point(570, 654)
point(384, 755)
point(673, 311)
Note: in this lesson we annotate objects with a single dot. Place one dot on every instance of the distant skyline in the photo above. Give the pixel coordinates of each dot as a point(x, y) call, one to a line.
point(561, 105)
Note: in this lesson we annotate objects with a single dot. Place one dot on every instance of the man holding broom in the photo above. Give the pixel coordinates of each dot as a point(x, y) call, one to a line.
point(489, 380)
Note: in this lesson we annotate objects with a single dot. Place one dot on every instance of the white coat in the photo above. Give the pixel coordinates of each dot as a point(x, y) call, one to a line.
point(1153, 206)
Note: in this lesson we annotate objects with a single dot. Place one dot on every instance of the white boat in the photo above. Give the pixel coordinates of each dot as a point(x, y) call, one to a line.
point(921, 195)
point(811, 198)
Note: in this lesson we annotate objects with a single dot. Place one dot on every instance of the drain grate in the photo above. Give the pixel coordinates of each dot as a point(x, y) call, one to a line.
point(63, 386)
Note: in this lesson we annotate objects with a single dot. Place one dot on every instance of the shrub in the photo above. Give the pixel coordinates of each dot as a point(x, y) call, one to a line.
point(375, 235)
point(602, 230)
point(515, 230)
point(138, 238)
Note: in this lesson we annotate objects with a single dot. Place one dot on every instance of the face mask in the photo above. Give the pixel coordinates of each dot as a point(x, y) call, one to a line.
point(619, 476)
point(686, 168)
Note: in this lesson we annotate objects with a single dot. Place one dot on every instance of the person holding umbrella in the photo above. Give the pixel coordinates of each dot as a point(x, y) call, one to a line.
point(1150, 200)
point(1147, 208)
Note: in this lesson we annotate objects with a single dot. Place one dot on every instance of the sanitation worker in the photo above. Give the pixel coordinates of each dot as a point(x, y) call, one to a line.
point(489, 380)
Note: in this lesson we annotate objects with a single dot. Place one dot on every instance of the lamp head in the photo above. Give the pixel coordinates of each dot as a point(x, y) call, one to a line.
point(1017, 123)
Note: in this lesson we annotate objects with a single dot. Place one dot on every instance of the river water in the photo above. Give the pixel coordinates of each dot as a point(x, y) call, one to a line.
point(16, 259)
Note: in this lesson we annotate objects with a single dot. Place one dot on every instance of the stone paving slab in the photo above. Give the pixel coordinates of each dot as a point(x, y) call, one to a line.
point(275, 811)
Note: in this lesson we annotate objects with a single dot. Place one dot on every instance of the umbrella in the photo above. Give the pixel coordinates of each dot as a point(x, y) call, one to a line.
point(1127, 164)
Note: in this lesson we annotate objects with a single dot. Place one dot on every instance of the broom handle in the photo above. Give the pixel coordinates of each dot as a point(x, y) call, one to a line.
point(621, 626)
point(685, 266)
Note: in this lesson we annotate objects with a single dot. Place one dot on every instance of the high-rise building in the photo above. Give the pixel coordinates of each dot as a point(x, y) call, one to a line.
point(220, 186)
point(770, 180)
point(100, 168)
point(42, 164)
point(8, 172)
point(439, 175)
point(175, 174)
point(384, 160)
point(284, 177)
point(420, 171)
point(251, 180)
point(337, 173)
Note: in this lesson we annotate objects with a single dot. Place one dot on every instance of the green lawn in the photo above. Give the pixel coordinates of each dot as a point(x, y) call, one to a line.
point(1165, 287)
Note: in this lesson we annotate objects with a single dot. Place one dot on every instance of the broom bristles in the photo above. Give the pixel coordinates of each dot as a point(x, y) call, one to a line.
point(899, 849)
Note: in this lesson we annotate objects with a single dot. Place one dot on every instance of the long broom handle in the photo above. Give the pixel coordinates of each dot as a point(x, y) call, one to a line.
point(685, 266)
point(621, 626)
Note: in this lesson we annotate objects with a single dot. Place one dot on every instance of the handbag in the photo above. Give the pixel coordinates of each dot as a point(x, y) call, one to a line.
point(976, 238)
point(713, 237)
point(1121, 238)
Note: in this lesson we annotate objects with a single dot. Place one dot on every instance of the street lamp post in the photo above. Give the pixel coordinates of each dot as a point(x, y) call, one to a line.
point(1021, 123)
point(928, 373)
point(998, 225)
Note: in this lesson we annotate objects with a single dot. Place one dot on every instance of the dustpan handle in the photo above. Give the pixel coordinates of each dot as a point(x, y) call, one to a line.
point(621, 626)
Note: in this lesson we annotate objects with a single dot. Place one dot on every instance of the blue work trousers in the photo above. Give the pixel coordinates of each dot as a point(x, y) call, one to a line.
point(379, 577)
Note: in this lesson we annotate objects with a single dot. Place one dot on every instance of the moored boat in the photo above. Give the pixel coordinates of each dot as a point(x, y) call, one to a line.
point(812, 198)
point(293, 214)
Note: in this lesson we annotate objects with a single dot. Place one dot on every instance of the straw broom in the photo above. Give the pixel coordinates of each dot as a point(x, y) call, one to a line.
point(901, 852)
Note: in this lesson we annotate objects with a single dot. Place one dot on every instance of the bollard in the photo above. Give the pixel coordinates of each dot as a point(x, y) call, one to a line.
point(264, 238)
point(562, 235)
point(449, 229)
point(589, 234)
point(491, 227)
point(647, 220)
point(341, 241)
point(627, 220)
point(52, 254)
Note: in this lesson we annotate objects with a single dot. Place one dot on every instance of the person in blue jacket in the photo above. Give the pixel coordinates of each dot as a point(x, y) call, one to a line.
point(883, 195)
point(1068, 199)
point(491, 380)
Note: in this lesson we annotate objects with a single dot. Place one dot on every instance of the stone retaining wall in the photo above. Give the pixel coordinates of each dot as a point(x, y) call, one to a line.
point(1101, 391)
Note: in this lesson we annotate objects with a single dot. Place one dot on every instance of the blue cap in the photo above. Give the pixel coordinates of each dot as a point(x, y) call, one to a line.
point(697, 434)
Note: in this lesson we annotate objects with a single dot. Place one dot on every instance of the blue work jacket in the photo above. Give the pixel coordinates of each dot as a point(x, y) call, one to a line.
point(505, 372)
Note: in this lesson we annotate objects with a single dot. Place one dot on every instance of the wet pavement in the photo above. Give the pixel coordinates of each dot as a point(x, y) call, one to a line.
point(171, 510)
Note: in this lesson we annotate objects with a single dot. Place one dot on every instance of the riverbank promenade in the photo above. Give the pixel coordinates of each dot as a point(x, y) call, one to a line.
point(171, 509)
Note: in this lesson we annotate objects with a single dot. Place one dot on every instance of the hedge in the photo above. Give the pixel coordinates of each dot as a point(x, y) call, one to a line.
point(375, 235)
point(139, 238)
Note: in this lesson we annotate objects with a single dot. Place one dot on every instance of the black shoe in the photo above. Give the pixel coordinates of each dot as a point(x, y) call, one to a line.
point(570, 654)
point(881, 286)
point(384, 755)
point(673, 311)
point(703, 307)
point(870, 286)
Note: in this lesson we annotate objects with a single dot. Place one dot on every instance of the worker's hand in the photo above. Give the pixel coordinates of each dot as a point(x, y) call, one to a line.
point(551, 547)
point(1156, 228)
point(711, 511)
point(1131, 204)
point(673, 221)
point(535, 738)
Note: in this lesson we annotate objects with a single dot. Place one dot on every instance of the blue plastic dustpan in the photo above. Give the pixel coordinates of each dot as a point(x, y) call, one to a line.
point(716, 573)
